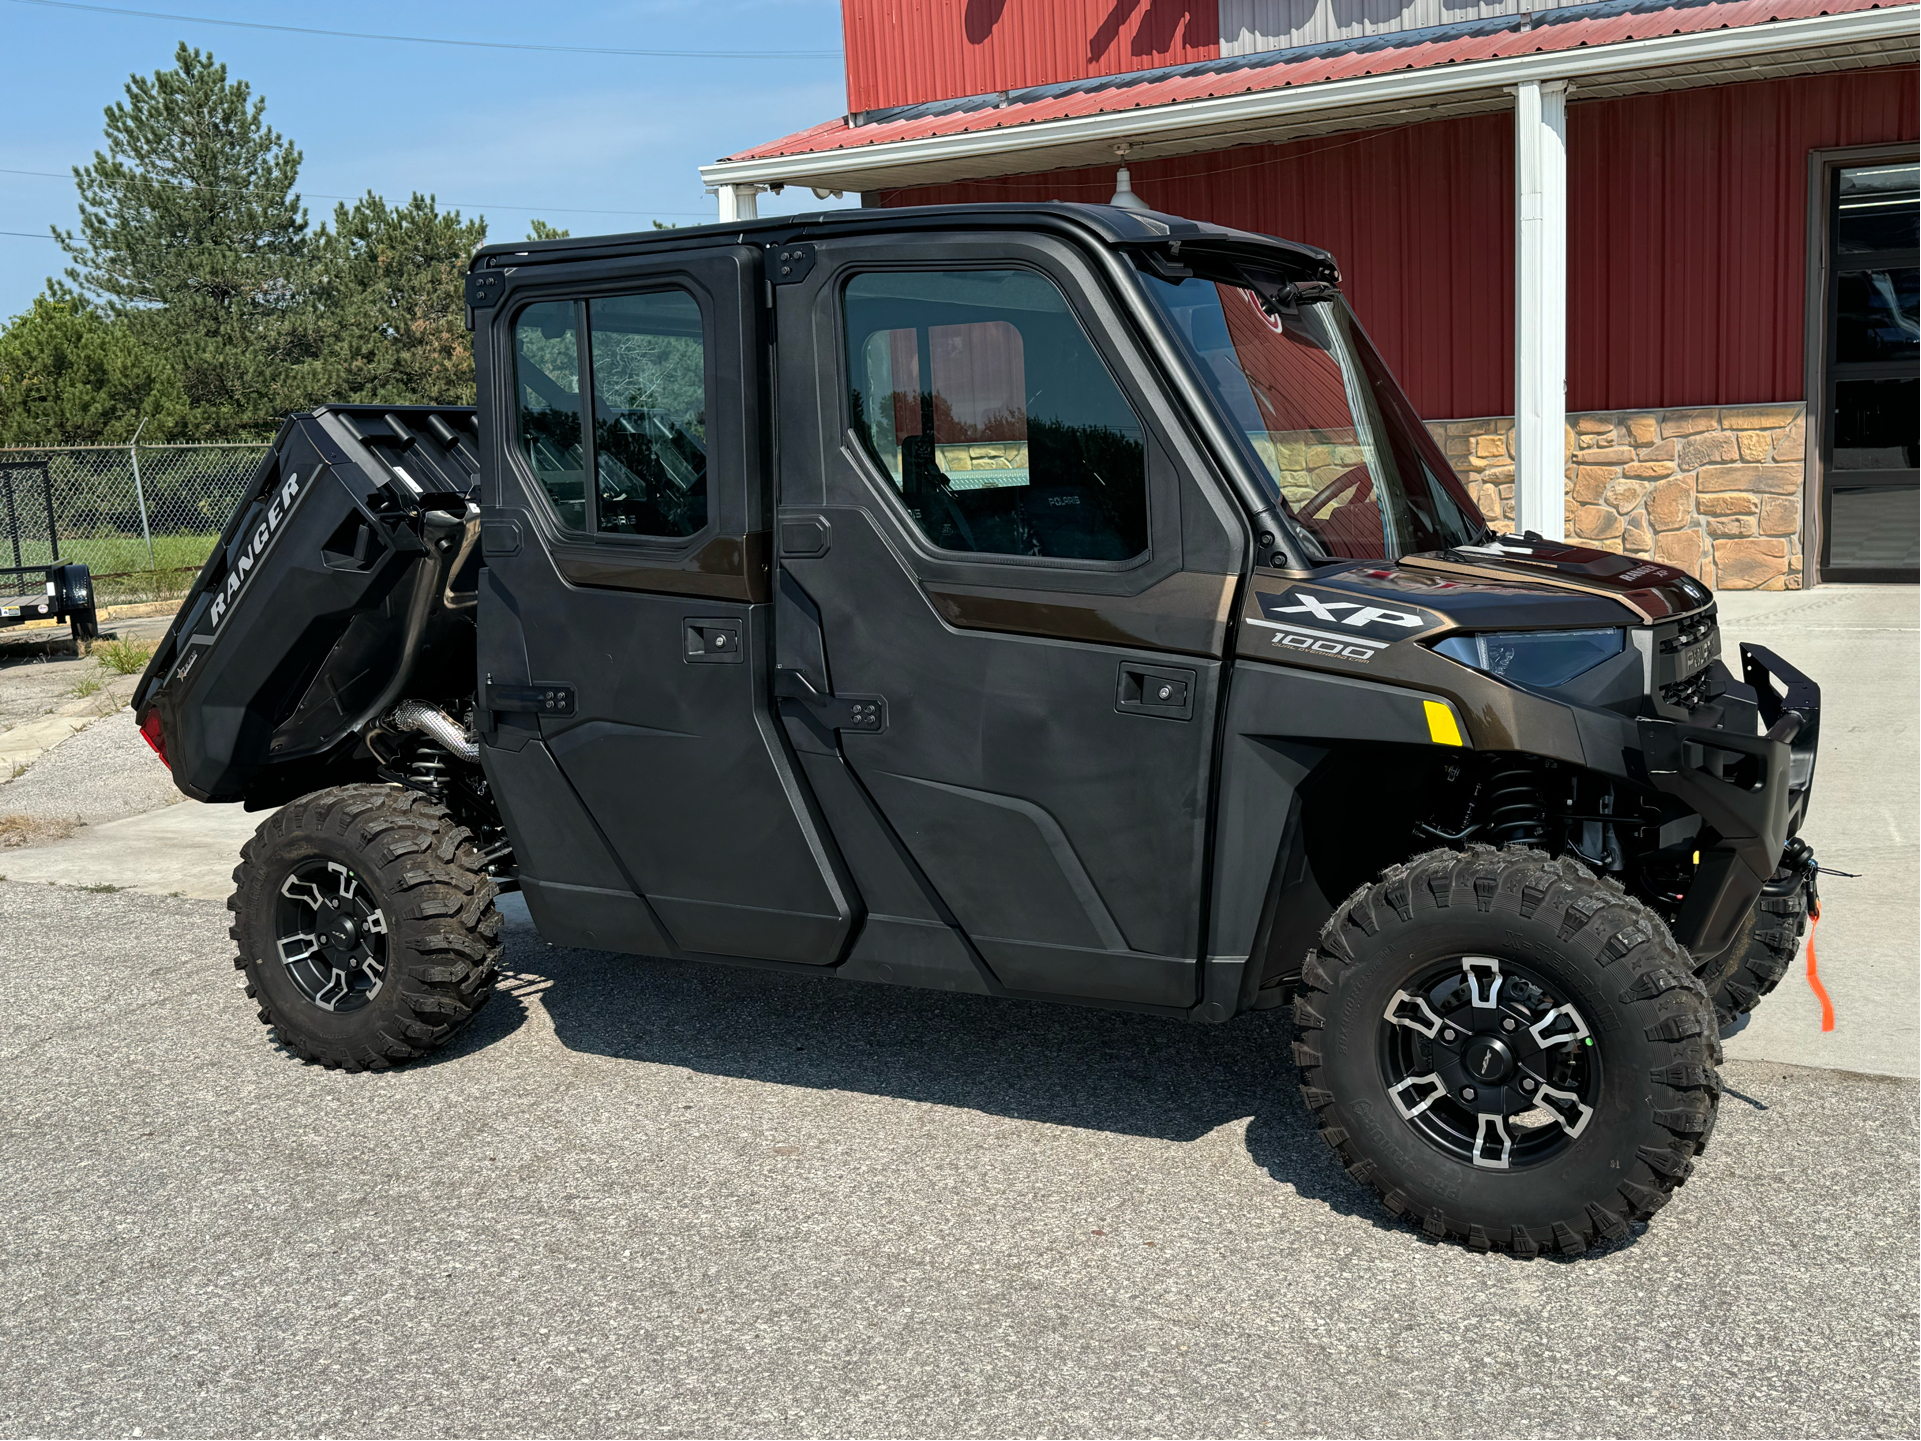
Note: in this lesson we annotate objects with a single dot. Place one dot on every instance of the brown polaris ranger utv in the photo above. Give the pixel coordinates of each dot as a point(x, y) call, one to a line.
point(1042, 601)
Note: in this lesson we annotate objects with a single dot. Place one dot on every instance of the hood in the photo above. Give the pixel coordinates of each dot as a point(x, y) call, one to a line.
point(1648, 590)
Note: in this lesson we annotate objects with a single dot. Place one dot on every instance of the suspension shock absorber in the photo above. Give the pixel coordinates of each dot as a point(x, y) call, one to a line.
point(427, 769)
point(1515, 809)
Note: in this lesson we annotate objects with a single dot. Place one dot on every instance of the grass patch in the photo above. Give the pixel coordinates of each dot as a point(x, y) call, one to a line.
point(88, 686)
point(122, 657)
point(18, 832)
point(122, 573)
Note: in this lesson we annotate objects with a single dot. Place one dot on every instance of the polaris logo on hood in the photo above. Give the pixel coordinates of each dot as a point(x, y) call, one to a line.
point(240, 572)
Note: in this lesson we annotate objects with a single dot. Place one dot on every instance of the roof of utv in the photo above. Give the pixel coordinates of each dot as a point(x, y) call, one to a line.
point(1106, 225)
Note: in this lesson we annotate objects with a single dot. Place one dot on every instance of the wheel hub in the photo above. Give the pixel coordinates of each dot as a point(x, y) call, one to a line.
point(1487, 1060)
point(332, 935)
point(1485, 1063)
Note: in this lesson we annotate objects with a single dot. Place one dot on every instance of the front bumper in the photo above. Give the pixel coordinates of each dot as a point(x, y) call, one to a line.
point(1751, 793)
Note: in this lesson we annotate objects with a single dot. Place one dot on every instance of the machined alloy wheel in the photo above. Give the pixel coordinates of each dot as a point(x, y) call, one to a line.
point(1488, 1065)
point(331, 935)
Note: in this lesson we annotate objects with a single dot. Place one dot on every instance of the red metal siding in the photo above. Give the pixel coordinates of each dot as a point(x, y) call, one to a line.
point(906, 52)
point(1421, 219)
point(1687, 234)
point(1687, 224)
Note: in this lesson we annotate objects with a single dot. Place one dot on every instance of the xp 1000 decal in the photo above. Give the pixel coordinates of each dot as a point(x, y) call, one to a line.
point(1335, 626)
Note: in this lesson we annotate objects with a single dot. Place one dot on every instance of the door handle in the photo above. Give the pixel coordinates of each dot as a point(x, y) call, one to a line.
point(1156, 690)
point(842, 713)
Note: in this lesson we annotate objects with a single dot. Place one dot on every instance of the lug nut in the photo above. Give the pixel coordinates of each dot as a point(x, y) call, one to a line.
point(1527, 1083)
point(1447, 1035)
point(1467, 1093)
point(1508, 1024)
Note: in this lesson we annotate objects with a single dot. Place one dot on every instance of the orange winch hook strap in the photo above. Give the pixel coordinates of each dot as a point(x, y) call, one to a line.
point(1814, 976)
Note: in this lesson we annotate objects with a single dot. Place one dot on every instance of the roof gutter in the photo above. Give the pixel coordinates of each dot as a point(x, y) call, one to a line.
point(1224, 120)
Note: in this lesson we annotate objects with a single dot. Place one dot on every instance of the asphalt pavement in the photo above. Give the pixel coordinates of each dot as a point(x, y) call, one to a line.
point(653, 1198)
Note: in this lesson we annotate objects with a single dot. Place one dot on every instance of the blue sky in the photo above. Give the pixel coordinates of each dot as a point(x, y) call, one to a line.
point(507, 134)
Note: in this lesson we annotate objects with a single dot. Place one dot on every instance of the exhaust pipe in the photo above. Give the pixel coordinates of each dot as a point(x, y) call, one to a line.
point(417, 715)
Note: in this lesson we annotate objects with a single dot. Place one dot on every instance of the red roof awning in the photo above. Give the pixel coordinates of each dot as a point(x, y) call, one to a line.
point(1415, 75)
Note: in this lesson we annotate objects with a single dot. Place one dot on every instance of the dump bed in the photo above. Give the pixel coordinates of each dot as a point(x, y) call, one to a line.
point(340, 568)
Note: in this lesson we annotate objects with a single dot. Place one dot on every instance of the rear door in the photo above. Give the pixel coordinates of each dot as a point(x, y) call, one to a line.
point(624, 620)
point(1004, 587)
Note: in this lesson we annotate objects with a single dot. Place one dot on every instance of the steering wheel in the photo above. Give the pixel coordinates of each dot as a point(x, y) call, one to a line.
point(1359, 480)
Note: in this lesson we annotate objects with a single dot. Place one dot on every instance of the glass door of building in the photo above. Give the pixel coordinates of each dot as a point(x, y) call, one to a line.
point(1871, 475)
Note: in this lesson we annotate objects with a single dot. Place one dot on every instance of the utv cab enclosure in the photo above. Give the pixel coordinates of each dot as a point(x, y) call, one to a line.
point(1043, 601)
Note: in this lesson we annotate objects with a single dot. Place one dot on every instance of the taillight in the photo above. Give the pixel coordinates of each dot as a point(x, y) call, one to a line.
point(155, 737)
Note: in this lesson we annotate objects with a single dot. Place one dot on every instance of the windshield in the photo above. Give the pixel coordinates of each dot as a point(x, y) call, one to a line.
point(1329, 431)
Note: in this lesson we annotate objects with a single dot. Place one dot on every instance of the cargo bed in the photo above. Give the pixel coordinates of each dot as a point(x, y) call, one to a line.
point(348, 563)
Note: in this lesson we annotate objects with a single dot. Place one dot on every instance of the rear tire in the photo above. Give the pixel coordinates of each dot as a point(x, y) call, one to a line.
point(366, 927)
point(1603, 1085)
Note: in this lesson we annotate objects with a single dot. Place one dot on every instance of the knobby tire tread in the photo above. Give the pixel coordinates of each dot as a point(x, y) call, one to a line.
point(1755, 964)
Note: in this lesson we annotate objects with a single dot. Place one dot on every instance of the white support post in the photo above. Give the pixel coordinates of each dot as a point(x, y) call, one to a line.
point(1540, 307)
point(738, 202)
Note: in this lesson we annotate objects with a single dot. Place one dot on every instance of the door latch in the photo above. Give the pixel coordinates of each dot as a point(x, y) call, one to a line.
point(710, 641)
point(1165, 691)
point(837, 712)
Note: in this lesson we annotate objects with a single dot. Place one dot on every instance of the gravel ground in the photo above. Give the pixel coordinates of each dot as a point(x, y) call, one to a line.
point(39, 668)
point(105, 772)
point(649, 1198)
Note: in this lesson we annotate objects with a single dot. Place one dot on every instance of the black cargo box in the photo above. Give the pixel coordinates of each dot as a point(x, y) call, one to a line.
point(325, 587)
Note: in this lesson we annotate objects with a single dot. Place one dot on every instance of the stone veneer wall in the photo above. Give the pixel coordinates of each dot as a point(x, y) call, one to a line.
point(1714, 491)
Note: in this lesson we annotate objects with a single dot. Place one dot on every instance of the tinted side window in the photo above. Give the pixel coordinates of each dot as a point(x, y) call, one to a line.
point(650, 413)
point(983, 400)
point(647, 447)
point(547, 379)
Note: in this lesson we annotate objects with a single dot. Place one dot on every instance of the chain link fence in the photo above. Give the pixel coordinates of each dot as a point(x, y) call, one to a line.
point(143, 518)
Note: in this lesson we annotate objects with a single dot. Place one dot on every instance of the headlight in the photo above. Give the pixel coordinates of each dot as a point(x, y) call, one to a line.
point(1542, 658)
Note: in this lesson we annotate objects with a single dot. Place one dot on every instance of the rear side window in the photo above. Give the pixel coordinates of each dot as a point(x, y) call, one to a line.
point(547, 375)
point(980, 396)
point(645, 359)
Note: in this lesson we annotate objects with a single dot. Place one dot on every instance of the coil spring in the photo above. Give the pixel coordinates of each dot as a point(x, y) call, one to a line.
point(1516, 812)
point(427, 770)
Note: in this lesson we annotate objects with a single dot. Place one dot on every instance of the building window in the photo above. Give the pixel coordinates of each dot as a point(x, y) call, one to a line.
point(980, 396)
point(646, 362)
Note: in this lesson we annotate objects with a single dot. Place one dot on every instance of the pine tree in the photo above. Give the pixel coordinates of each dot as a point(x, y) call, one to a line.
point(392, 304)
point(192, 234)
point(70, 376)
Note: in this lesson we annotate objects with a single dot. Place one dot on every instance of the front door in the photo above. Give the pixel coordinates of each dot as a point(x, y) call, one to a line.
point(1003, 592)
point(624, 623)
point(1871, 480)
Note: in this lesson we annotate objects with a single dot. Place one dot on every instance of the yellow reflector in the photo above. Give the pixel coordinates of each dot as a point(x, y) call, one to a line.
point(1441, 728)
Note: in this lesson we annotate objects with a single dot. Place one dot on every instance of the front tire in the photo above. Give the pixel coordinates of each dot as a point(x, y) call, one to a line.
point(1755, 964)
point(1511, 1051)
point(366, 926)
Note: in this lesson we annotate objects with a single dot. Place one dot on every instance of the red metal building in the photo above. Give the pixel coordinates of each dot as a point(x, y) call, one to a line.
point(1708, 312)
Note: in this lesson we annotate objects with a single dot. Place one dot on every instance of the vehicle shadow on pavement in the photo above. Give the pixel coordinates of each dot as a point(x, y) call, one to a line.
point(1025, 1060)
